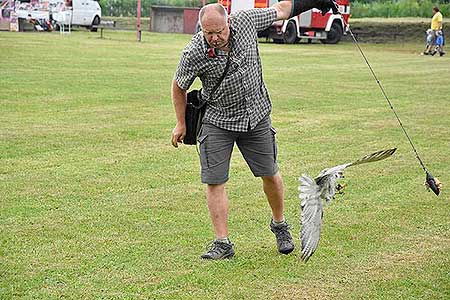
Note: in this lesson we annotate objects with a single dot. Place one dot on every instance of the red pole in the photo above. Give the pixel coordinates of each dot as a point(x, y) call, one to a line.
point(138, 21)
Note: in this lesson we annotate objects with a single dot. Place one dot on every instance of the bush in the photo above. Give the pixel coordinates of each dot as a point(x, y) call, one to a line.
point(400, 8)
point(359, 8)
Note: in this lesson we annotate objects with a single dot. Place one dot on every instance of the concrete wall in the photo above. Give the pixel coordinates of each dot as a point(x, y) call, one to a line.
point(173, 19)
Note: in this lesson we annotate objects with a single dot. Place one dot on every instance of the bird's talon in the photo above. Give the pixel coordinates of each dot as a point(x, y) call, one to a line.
point(340, 188)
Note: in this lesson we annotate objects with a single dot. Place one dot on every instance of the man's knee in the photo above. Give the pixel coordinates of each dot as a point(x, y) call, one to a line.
point(215, 188)
point(275, 179)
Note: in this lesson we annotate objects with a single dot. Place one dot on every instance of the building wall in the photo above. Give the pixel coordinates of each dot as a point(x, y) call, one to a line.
point(173, 19)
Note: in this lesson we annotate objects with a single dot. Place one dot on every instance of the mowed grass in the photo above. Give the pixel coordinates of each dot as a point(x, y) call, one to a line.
point(96, 204)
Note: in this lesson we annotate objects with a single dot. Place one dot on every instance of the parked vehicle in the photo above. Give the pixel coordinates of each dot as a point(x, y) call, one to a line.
point(310, 25)
point(85, 13)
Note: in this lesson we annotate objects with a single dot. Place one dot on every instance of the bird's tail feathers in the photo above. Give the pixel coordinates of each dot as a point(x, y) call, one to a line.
point(383, 154)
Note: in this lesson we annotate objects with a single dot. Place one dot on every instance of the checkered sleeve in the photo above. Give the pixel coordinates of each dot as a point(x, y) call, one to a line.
point(186, 71)
point(262, 17)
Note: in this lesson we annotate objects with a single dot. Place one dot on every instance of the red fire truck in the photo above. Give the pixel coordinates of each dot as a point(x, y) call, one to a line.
point(309, 25)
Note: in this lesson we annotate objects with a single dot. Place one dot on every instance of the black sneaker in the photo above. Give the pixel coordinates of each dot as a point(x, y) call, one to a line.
point(442, 54)
point(285, 243)
point(219, 250)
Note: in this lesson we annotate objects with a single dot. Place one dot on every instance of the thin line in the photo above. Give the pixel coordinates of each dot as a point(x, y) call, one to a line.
point(386, 97)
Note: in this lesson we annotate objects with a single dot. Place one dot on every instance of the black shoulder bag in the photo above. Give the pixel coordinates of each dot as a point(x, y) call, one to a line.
point(195, 109)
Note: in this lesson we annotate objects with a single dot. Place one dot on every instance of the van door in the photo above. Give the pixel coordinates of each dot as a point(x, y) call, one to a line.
point(84, 12)
point(91, 9)
point(77, 18)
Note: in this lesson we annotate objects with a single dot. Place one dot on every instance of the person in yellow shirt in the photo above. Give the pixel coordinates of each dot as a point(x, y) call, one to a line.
point(436, 21)
point(436, 25)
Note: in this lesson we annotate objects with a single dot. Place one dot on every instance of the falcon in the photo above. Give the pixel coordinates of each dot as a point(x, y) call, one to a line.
point(313, 193)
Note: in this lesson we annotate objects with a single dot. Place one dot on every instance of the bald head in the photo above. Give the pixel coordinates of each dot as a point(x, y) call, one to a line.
point(214, 21)
point(212, 12)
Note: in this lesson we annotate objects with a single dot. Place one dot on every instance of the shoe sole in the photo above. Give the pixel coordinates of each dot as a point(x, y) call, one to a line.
point(287, 251)
point(227, 256)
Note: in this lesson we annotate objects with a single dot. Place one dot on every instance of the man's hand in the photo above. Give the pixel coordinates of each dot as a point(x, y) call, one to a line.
point(179, 103)
point(326, 5)
point(299, 6)
point(178, 134)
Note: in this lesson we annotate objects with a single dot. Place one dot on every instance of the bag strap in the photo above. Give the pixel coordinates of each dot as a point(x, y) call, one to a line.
point(221, 77)
point(226, 67)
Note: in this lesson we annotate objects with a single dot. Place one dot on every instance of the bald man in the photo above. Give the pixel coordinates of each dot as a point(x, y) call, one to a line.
point(237, 110)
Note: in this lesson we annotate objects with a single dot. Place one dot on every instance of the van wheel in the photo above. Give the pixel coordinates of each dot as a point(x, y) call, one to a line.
point(335, 34)
point(290, 34)
point(96, 21)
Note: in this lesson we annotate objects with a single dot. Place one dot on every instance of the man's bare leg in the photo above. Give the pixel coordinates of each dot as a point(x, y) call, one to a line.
point(218, 209)
point(273, 188)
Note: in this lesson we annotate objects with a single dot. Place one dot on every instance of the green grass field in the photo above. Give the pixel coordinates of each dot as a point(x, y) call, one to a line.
point(96, 204)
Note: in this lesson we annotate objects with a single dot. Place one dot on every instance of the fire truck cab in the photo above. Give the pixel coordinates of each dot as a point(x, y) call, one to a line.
point(310, 25)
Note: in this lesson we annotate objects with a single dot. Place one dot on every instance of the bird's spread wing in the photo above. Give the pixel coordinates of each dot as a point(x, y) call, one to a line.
point(312, 192)
point(311, 217)
point(323, 187)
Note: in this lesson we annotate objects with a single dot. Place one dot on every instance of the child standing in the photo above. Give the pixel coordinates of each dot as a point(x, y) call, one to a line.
point(429, 42)
point(439, 44)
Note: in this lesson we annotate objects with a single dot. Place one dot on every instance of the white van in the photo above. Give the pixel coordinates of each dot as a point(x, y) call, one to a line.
point(84, 13)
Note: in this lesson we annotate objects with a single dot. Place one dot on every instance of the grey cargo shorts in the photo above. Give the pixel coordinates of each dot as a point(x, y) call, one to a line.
point(258, 147)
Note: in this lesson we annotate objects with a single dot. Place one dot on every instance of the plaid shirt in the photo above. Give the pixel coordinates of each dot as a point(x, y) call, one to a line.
point(241, 100)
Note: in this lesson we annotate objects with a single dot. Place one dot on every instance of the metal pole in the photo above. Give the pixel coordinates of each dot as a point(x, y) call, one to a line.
point(138, 21)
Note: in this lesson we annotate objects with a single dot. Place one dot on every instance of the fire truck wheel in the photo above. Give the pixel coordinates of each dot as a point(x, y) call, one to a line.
point(335, 34)
point(278, 41)
point(290, 34)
